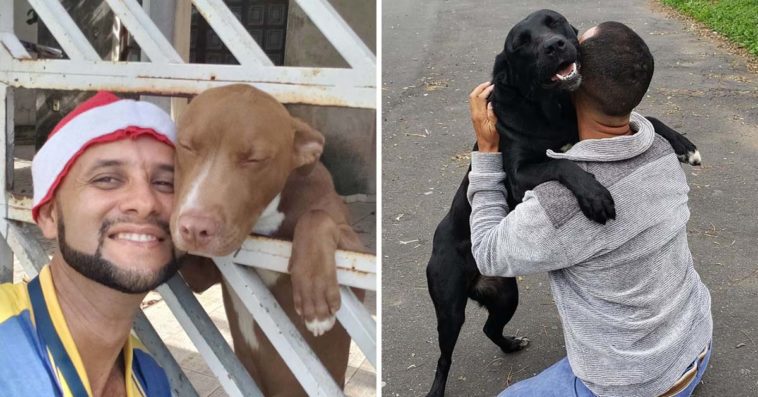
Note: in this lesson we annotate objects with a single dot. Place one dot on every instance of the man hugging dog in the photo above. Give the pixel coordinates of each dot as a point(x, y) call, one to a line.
point(636, 316)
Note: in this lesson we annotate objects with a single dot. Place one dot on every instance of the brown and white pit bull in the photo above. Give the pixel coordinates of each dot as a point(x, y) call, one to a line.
point(245, 165)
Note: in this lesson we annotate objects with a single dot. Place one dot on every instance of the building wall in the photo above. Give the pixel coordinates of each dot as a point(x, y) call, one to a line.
point(350, 152)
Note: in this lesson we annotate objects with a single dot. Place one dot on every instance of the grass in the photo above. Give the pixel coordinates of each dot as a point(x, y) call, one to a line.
point(735, 19)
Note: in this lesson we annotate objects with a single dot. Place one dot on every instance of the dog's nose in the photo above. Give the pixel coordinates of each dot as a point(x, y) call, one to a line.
point(554, 44)
point(197, 230)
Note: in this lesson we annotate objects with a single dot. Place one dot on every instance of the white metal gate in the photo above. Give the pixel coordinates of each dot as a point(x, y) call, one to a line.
point(167, 75)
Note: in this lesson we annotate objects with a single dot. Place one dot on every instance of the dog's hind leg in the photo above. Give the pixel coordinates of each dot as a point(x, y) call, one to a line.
point(450, 318)
point(500, 296)
point(448, 292)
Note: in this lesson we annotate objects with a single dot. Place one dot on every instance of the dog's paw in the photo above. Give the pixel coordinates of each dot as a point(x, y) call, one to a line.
point(316, 297)
point(513, 344)
point(691, 158)
point(597, 203)
point(320, 327)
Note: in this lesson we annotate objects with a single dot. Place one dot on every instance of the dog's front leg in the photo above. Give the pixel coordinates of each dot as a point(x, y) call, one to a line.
point(594, 199)
point(685, 150)
point(316, 293)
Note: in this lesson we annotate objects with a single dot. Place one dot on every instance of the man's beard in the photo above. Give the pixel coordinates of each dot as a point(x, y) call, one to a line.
point(103, 271)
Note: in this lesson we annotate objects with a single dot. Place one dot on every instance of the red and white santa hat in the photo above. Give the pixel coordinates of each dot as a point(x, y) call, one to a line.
point(102, 118)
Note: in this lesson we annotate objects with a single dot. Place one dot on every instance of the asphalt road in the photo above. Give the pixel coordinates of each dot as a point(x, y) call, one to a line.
point(434, 53)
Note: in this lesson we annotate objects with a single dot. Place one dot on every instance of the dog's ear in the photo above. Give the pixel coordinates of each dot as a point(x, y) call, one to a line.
point(500, 70)
point(576, 31)
point(308, 146)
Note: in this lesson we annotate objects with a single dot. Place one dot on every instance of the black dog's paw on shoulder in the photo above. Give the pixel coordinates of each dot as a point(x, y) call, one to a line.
point(692, 157)
point(595, 200)
point(685, 150)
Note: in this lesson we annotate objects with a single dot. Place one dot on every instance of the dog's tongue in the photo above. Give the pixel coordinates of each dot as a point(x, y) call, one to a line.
point(567, 70)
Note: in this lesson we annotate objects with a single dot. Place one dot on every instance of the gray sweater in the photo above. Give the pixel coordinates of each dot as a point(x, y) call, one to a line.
point(634, 311)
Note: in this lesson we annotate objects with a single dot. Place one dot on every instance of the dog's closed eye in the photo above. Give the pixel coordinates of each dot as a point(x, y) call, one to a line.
point(186, 146)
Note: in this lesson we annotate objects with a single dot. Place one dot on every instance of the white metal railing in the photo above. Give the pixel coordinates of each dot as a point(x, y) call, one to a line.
point(84, 70)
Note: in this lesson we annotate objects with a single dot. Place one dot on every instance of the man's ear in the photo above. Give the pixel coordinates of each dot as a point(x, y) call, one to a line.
point(308, 146)
point(48, 219)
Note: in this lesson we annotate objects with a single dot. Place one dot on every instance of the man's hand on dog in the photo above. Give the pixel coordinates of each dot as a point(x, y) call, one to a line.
point(483, 118)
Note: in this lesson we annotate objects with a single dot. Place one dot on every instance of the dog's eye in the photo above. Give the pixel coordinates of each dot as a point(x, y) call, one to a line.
point(522, 40)
point(551, 22)
point(186, 146)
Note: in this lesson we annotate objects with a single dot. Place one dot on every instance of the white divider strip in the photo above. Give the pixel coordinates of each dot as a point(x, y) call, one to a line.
point(300, 359)
point(63, 28)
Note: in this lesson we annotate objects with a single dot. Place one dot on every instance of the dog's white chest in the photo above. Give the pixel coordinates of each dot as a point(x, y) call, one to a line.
point(268, 223)
point(271, 219)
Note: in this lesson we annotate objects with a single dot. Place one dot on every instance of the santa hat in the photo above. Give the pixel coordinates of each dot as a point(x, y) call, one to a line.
point(102, 118)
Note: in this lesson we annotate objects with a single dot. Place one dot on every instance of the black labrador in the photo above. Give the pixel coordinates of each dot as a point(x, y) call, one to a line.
point(533, 77)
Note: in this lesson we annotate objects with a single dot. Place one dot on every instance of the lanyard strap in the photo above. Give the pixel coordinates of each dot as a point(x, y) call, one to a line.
point(50, 338)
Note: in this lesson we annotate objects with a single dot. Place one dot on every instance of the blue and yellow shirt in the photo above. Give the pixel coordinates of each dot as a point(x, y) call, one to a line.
point(28, 366)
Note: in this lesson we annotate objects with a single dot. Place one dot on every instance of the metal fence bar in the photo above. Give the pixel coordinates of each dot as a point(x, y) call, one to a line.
point(7, 124)
point(354, 269)
point(339, 34)
point(231, 32)
point(357, 97)
point(145, 32)
point(220, 358)
point(290, 75)
point(180, 385)
point(6, 129)
point(64, 29)
point(298, 356)
point(358, 323)
point(31, 255)
point(14, 46)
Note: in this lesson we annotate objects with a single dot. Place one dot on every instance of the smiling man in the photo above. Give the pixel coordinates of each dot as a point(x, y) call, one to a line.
point(103, 188)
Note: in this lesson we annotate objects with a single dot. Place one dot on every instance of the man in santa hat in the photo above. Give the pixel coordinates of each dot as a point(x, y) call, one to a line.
point(103, 189)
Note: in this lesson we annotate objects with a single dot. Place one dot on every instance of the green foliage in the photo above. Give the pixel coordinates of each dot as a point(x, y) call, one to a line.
point(735, 19)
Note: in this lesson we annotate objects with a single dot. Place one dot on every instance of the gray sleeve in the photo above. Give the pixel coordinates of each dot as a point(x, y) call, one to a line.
point(507, 244)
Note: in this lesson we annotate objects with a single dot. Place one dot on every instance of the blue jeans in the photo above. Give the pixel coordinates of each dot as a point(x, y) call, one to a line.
point(559, 381)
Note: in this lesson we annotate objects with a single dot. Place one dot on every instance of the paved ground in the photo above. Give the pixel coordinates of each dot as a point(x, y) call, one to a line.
point(435, 52)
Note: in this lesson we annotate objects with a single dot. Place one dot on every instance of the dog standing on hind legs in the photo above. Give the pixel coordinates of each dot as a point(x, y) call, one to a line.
point(453, 278)
point(532, 78)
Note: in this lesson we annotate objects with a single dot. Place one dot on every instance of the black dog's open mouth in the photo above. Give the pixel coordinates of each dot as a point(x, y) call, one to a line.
point(566, 71)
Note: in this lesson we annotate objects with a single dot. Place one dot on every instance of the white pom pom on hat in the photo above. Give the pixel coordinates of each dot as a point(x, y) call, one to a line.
point(102, 118)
